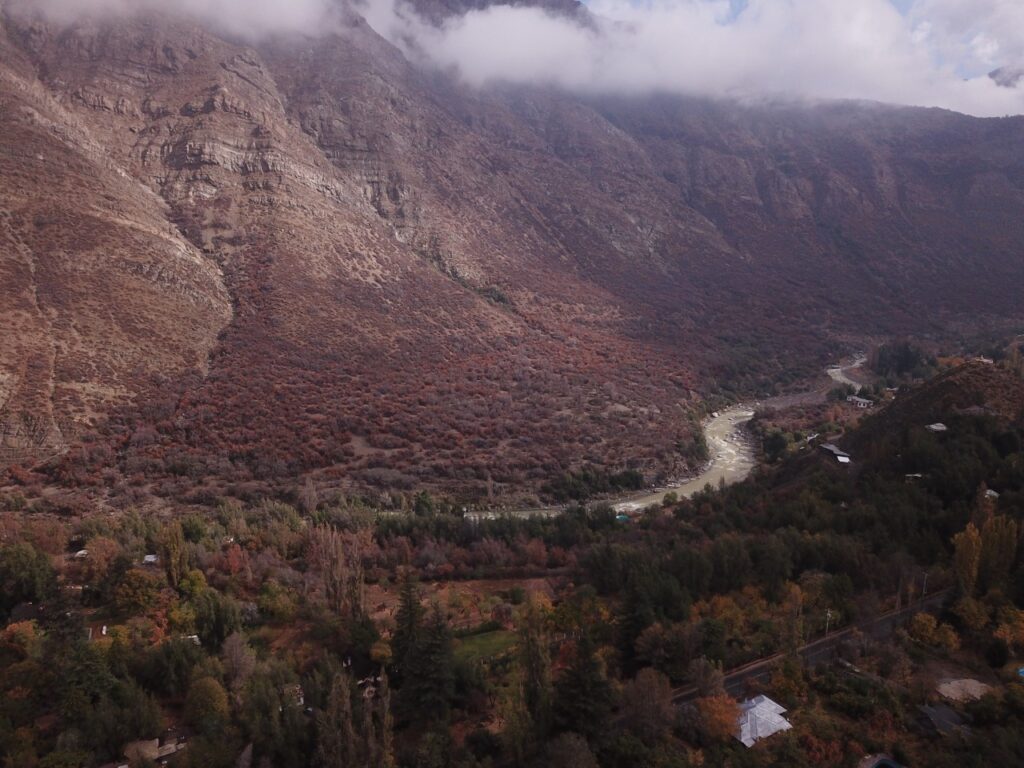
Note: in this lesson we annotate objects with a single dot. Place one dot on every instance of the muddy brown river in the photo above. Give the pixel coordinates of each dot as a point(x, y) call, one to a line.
point(732, 455)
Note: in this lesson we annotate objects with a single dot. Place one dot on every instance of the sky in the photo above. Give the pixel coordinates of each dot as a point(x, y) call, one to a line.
point(917, 52)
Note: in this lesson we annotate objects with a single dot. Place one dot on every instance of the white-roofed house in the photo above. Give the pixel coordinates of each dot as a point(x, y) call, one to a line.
point(760, 717)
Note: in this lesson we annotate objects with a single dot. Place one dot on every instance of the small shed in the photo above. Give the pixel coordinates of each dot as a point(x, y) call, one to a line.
point(859, 402)
point(937, 427)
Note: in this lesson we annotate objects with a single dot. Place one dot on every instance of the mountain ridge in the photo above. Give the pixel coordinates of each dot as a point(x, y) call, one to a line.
point(403, 281)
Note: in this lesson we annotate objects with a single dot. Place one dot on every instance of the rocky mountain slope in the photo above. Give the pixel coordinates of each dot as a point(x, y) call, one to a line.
point(253, 261)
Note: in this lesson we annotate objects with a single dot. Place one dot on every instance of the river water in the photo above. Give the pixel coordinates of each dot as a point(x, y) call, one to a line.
point(731, 459)
point(732, 454)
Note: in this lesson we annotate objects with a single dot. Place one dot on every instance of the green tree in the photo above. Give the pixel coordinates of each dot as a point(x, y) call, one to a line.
point(570, 750)
point(336, 744)
point(647, 708)
point(998, 551)
point(217, 616)
point(583, 695)
point(423, 504)
point(171, 547)
point(430, 671)
point(26, 576)
point(408, 622)
point(536, 663)
point(967, 558)
point(274, 719)
point(206, 706)
point(136, 593)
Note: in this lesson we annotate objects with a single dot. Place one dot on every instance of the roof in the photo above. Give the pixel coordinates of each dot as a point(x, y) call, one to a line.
point(837, 453)
point(965, 689)
point(937, 427)
point(858, 400)
point(759, 718)
point(943, 719)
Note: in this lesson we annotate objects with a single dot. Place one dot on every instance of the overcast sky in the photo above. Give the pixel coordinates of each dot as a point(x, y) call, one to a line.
point(920, 52)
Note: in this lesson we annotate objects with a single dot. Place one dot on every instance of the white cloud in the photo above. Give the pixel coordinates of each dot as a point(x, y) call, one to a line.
point(974, 34)
point(920, 52)
point(813, 49)
point(247, 18)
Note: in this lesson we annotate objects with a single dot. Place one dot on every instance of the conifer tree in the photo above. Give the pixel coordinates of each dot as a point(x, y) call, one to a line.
point(583, 695)
point(429, 682)
point(408, 621)
point(536, 663)
point(336, 745)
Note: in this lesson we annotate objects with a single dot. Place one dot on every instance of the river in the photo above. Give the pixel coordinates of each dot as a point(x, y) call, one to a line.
point(731, 459)
point(732, 454)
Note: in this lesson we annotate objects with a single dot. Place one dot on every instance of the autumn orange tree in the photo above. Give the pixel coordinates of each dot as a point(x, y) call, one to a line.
point(718, 717)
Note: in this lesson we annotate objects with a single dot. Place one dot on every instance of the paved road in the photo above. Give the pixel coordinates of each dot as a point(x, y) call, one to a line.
point(820, 651)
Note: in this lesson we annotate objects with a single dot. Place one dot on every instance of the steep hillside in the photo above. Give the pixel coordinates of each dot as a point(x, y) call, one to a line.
point(975, 388)
point(308, 254)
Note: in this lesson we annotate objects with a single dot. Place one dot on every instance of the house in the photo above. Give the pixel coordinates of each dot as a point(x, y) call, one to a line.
point(941, 720)
point(836, 453)
point(859, 402)
point(150, 560)
point(990, 494)
point(81, 554)
point(760, 717)
point(937, 427)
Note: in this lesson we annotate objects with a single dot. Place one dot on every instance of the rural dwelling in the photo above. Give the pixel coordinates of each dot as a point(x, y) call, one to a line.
point(859, 402)
point(937, 427)
point(760, 717)
point(836, 452)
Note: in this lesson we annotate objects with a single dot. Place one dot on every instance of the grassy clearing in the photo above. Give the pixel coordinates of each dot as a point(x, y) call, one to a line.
point(486, 645)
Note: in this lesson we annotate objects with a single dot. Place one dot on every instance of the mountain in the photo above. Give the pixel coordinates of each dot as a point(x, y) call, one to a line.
point(230, 262)
point(975, 388)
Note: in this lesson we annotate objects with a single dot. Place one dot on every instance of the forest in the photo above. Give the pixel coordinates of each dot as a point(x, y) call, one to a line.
point(336, 633)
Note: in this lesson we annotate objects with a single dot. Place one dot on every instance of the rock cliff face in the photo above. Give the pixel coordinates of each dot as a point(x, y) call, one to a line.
point(308, 255)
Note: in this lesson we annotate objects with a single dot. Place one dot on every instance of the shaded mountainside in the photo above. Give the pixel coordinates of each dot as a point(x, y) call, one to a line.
point(973, 389)
point(310, 255)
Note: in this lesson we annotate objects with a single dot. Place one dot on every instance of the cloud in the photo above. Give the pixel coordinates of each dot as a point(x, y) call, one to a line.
point(805, 49)
point(251, 19)
point(975, 34)
point(916, 52)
